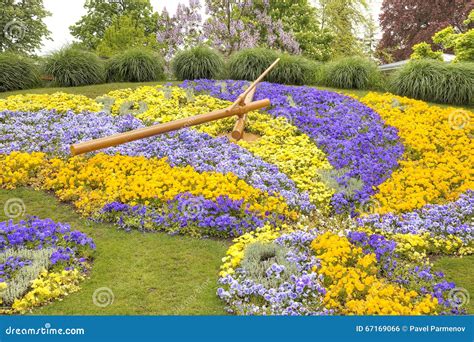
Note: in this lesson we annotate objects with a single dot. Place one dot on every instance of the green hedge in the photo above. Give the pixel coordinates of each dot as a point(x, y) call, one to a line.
point(351, 73)
point(135, 65)
point(436, 81)
point(17, 72)
point(71, 67)
point(196, 63)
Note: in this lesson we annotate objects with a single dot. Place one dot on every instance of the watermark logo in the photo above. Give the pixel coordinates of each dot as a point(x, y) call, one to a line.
point(459, 119)
point(14, 208)
point(281, 119)
point(192, 208)
point(459, 297)
point(103, 297)
point(370, 206)
point(14, 30)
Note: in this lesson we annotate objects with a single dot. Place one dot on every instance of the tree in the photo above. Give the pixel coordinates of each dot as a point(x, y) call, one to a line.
point(370, 38)
point(124, 33)
point(408, 22)
point(461, 42)
point(239, 24)
point(424, 51)
point(349, 22)
point(232, 25)
point(183, 30)
point(301, 19)
point(90, 29)
point(22, 24)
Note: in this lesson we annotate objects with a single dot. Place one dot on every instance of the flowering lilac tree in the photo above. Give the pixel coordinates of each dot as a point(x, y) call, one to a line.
point(231, 25)
point(238, 24)
point(182, 30)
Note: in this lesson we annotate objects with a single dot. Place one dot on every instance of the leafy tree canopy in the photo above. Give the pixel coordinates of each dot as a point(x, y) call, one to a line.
point(22, 25)
point(124, 33)
point(408, 22)
point(90, 29)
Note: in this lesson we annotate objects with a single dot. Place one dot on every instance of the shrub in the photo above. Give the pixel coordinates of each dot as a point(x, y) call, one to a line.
point(196, 63)
point(436, 82)
point(71, 67)
point(351, 73)
point(293, 69)
point(135, 65)
point(424, 50)
point(17, 72)
point(458, 84)
point(248, 64)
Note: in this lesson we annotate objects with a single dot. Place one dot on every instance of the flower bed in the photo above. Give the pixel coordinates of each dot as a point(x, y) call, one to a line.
point(313, 273)
point(40, 261)
point(437, 164)
point(357, 142)
point(397, 164)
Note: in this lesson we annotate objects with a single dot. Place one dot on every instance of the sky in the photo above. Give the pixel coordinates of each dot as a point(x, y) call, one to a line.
point(67, 12)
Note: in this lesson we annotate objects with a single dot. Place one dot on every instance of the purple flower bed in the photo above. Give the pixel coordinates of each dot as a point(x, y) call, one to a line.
point(190, 214)
point(71, 247)
point(354, 136)
point(46, 131)
point(455, 219)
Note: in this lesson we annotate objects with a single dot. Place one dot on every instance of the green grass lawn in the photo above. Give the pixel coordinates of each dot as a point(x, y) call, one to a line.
point(95, 90)
point(460, 271)
point(149, 274)
point(91, 91)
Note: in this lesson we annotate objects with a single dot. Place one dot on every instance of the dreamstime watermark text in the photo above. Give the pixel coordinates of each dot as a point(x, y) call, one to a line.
point(47, 329)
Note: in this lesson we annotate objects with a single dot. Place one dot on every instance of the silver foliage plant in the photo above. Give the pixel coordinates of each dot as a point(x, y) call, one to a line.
point(263, 260)
point(21, 280)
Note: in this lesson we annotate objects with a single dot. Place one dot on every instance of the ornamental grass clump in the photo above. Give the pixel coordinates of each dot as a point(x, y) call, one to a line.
point(17, 72)
point(351, 73)
point(436, 81)
point(266, 263)
point(293, 69)
point(196, 63)
point(135, 65)
point(248, 64)
point(458, 84)
point(71, 67)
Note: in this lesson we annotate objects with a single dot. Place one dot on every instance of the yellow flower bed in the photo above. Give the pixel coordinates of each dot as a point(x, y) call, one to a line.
point(92, 183)
point(61, 102)
point(350, 277)
point(20, 169)
point(3, 287)
point(48, 286)
point(280, 144)
point(437, 165)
